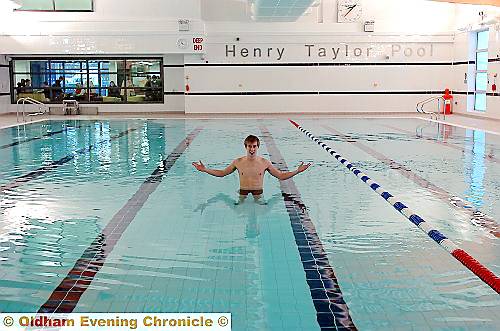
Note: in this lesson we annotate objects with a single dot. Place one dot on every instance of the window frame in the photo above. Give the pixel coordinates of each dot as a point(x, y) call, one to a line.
point(59, 11)
point(88, 72)
point(476, 71)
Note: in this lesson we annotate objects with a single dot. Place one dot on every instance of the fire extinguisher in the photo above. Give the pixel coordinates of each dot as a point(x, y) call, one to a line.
point(494, 86)
point(187, 84)
point(447, 101)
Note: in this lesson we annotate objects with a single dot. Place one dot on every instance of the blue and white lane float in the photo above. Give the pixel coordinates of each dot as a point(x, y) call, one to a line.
point(472, 264)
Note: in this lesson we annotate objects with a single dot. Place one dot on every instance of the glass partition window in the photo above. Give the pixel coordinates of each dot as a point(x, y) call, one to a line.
point(56, 5)
point(89, 80)
point(481, 76)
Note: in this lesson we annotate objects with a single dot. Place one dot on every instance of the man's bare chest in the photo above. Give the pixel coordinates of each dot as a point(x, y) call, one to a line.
point(251, 170)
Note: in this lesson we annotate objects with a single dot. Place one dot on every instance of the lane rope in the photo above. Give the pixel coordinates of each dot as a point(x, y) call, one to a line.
point(472, 264)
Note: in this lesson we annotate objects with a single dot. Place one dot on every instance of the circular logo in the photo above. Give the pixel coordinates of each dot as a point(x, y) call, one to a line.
point(8, 321)
point(223, 321)
point(182, 43)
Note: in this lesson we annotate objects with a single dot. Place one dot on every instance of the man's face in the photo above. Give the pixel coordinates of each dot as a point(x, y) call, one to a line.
point(252, 148)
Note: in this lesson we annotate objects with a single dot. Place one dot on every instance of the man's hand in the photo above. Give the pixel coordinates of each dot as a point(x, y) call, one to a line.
point(199, 166)
point(303, 167)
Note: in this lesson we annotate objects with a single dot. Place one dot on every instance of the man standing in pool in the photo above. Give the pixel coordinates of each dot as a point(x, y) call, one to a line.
point(251, 169)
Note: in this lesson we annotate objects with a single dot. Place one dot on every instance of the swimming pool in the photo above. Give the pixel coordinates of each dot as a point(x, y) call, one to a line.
point(119, 204)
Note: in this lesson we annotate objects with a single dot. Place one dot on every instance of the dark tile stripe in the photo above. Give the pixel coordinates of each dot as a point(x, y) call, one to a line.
point(332, 312)
point(477, 217)
point(173, 66)
point(48, 134)
point(21, 180)
point(4, 93)
point(67, 294)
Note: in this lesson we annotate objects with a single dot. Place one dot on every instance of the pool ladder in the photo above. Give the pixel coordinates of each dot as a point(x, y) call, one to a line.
point(71, 107)
point(42, 108)
point(434, 115)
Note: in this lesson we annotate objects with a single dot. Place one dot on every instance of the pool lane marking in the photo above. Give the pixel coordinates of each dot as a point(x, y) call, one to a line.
point(473, 265)
point(478, 217)
point(21, 180)
point(443, 143)
point(67, 294)
point(48, 134)
point(332, 312)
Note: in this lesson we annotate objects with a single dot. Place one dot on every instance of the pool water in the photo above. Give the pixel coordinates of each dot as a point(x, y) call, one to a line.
point(118, 203)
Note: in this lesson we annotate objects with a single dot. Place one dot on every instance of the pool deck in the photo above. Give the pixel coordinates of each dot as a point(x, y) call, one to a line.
point(488, 125)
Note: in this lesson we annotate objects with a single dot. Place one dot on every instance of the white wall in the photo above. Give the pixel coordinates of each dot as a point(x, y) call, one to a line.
point(390, 80)
point(407, 33)
point(108, 10)
point(390, 15)
point(115, 27)
point(398, 25)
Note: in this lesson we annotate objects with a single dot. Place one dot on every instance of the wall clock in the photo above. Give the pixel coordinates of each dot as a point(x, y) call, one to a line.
point(349, 11)
point(182, 43)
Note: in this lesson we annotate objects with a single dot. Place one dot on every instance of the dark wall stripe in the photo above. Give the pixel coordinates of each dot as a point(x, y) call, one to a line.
point(67, 294)
point(21, 180)
point(173, 66)
point(48, 134)
point(476, 216)
point(173, 93)
point(4, 93)
point(315, 64)
point(4, 65)
point(464, 62)
point(310, 64)
point(332, 312)
point(313, 92)
point(490, 94)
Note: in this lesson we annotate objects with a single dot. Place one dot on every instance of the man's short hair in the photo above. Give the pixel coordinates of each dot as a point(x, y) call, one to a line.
point(251, 139)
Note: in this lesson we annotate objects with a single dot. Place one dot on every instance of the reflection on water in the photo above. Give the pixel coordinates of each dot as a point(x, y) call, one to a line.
point(474, 167)
point(37, 254)
point(247, 209)
point(47, 221)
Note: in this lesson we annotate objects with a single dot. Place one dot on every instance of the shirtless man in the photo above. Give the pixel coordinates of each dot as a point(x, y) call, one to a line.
point(251, 169)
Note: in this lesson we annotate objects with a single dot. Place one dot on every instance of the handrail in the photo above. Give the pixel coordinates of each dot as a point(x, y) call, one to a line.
point(420, 106)
point(31, 101)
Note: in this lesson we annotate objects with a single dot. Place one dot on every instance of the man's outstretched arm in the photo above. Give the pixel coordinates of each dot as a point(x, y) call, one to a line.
point(285, 175)
point(214, 172)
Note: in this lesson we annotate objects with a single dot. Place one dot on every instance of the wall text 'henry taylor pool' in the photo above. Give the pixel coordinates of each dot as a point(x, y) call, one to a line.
point(332, 52)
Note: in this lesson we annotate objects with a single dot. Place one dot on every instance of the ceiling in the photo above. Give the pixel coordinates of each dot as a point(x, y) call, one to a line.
point(291, 10)
point(474, 2)
point(279, 10)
